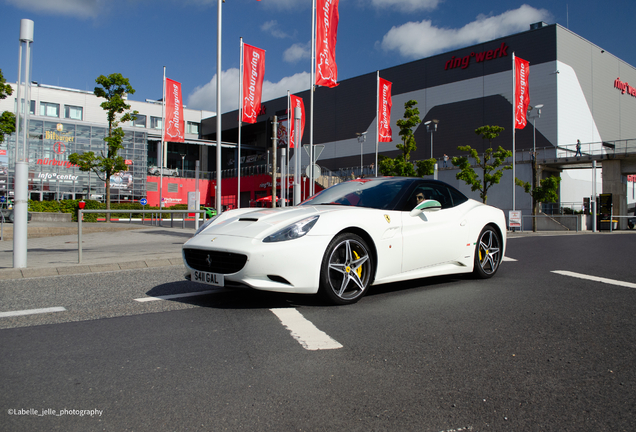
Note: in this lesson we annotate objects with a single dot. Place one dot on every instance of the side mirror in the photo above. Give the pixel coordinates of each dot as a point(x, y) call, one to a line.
point(426, 205)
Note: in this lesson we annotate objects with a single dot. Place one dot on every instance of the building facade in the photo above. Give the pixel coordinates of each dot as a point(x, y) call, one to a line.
point(583, 90)
point(64, 121)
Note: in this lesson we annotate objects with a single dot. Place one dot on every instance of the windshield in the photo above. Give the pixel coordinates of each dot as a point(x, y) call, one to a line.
point(378, 194)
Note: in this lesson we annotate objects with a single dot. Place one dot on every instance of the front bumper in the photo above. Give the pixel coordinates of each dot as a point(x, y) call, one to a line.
point(290, 266)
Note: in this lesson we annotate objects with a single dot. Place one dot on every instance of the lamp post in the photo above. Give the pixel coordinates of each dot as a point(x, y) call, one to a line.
point(534, 118)
point(182, 165)
point(361, 139)
point(534, 126)
point(20, 208)
point(431, 126)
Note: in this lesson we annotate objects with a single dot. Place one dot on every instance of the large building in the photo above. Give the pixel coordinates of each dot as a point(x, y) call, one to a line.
point(64, 121)
point(583, 90)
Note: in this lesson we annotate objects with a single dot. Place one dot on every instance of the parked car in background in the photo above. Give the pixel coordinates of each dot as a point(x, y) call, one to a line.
point(155, 170)
point(209, 212)
point(6, 214)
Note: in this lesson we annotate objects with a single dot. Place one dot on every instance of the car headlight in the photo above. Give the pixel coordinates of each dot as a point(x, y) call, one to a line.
point(293, 231)
point(206, 224)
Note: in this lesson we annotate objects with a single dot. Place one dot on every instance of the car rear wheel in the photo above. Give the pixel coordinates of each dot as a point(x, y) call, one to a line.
point(487, 253)
point(347, 268)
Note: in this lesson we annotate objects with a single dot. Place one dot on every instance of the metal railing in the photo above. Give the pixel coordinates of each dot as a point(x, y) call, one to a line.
point(554, 222)
point(155, 218)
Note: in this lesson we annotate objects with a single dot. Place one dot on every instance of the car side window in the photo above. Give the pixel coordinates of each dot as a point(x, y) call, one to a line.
point(447, 196)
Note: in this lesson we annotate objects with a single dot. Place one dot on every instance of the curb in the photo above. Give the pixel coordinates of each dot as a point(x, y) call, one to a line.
point(27, 273)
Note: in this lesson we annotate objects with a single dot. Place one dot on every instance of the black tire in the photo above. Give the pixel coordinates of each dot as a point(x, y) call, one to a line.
point(487, 253)
point(347, 269)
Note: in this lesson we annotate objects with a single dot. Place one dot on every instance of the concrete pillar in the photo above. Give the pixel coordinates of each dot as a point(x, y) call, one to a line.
point(615, 182)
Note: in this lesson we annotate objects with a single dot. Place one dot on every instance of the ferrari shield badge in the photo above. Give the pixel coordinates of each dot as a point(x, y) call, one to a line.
point(388, 218)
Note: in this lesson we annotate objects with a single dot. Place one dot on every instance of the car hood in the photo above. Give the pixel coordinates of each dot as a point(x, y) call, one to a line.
point(262, 222)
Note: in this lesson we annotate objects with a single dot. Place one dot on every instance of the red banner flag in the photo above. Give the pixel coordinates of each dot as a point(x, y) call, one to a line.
point(326, 36)
point(522, 92)
point(174, 128)
point(253, 72)
point(384, 115)
point(295, 102)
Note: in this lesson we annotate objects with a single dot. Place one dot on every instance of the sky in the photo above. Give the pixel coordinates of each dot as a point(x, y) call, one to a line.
point(75, 41)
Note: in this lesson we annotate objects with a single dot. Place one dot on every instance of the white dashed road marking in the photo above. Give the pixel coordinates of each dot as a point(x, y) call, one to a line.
point(32, 312)
point(595, 279)
point(508, 259)
point(304, 331)
point(174, 296)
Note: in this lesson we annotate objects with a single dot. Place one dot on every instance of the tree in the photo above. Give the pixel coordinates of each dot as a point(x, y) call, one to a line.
point(7, 118)
point(492, 172)
point(402, 166)
point(547, 191)
point(113, 88)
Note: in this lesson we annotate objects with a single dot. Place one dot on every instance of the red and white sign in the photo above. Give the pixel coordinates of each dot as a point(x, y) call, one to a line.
point(174, 112)
point(384, 116)
point(296, 102)
point(253, 72)
point(514, 218)
point(326, 37)
point(624, 87)
point(522, 92)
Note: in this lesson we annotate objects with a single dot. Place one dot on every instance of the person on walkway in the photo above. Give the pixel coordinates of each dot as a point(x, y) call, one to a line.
point(445, 160)
point(578, 148)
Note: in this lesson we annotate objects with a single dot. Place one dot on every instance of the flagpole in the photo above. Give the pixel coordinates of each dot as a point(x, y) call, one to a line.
point(219, 207)
point(377, 123)
point(514, 103)
point(163, 137)
point(289, 122)
point(240, 122)
point(311, 90)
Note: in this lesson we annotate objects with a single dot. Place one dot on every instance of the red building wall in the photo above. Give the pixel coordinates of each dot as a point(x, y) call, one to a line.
point(258, 186)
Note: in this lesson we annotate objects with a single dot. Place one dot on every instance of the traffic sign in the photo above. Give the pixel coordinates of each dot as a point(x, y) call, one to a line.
point(143, 201)
point(317, 172)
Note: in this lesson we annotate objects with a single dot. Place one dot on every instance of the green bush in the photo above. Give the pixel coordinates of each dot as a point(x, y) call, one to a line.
point(72, 206)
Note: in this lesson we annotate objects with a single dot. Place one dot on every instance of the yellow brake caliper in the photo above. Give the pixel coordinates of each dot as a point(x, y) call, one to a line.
point(359, 270)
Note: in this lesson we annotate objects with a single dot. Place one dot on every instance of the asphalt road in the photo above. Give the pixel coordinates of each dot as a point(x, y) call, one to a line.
point(529, 350)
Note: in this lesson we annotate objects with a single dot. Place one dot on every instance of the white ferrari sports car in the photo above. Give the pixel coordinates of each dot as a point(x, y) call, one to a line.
point(349, 237)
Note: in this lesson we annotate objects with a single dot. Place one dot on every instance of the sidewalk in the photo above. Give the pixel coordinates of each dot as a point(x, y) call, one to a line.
point(52, 248)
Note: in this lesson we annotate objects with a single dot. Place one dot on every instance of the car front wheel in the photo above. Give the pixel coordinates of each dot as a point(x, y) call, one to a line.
point(347, 268)
point(487, 253)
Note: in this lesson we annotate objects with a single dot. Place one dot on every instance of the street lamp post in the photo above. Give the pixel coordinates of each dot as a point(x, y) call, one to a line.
point(21, 179)
point(361, 138)
point(534, 160)
point(431, 126)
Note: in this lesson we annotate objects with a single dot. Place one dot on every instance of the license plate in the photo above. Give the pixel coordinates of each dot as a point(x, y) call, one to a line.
point(208, 278)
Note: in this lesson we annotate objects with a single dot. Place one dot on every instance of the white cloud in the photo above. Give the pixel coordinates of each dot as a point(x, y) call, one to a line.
point(273, 28)
point(204, 97)
point(297, 52)
point(422, 39)
point(406, 5)
point(77, 8)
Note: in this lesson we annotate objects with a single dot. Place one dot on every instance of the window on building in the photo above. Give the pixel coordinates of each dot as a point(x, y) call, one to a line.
point(49, 109)
point(73, 112)
point(155, 122)
point(140, 121)
point(192, 128)
point(32, 106)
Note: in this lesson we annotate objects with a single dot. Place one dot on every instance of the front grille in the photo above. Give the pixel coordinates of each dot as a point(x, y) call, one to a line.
point(214, 261)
